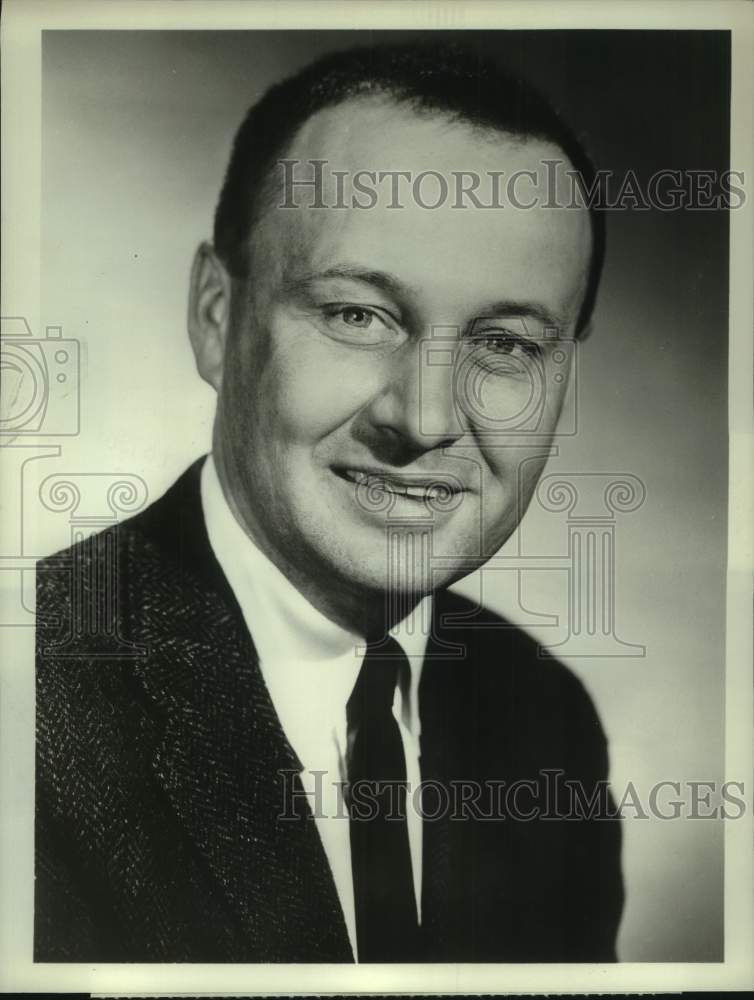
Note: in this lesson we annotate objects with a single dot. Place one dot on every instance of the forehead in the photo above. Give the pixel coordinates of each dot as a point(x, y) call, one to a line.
point(456, 253)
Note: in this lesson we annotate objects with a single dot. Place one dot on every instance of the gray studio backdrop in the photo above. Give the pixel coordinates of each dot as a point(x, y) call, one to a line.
point(136, 132)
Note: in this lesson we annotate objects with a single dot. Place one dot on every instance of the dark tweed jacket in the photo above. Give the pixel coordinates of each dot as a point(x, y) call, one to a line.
point(161, 776)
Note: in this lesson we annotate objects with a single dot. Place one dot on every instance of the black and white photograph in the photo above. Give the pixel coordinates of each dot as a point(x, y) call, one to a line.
point(376, 477)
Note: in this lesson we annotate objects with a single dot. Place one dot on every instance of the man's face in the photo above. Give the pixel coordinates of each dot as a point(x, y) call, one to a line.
point(375, 353)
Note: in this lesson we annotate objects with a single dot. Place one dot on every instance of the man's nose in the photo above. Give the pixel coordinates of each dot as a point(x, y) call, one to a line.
point(418, 403)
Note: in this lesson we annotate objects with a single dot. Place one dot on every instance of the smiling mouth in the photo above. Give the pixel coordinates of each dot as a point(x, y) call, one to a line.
point(411, 487)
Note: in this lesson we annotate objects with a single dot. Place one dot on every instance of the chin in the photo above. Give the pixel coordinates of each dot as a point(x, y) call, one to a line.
point(410, 563)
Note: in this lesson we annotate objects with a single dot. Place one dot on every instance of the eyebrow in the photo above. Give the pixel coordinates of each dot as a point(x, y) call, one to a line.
point(383, 280)
point(533, 310)
point(390, 283)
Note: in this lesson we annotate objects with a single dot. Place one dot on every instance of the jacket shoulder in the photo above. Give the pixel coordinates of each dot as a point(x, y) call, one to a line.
point(90, 706)
point(539, 707)
point(506, 654)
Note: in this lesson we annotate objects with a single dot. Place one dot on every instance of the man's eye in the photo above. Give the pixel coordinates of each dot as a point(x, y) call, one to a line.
point(506, 344)
point(503, 353)
point(362, 326)
point(357, 317)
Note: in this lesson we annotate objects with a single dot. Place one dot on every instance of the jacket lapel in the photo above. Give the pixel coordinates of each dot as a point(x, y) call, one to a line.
point(223, 761)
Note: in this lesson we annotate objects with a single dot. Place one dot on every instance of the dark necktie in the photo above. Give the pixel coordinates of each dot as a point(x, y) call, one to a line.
point(386, 921)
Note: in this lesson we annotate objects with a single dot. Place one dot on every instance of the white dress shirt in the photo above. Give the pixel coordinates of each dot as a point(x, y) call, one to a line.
point(310, 666)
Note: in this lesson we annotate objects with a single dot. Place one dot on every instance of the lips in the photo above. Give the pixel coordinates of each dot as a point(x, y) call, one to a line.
point(415, 488)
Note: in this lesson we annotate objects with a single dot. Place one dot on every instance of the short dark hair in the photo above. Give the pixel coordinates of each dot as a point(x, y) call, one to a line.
point(451, 78)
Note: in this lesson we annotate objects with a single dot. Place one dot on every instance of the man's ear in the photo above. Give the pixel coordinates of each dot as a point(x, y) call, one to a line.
point(208, 313)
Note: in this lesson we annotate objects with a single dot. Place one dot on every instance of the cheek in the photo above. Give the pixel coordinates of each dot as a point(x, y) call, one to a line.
point(512, 476)
point(316, 387)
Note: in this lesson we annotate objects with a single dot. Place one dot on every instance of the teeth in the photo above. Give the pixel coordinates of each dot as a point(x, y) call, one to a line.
point(388, 485)
point(391, 486)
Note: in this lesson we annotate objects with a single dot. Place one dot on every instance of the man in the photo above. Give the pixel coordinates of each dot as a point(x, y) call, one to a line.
point(237, 780)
